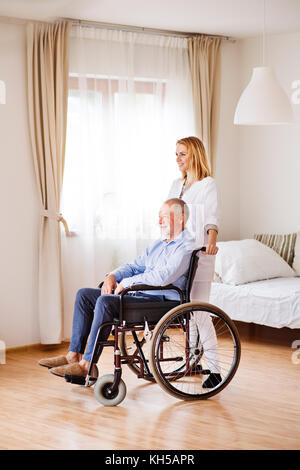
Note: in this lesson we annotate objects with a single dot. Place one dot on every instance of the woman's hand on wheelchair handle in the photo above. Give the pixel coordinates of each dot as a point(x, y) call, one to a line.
point(211, 249)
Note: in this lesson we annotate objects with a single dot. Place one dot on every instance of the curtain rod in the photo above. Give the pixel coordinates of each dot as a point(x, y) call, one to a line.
point(96, 24)
point(141, 29)
point(19, 21)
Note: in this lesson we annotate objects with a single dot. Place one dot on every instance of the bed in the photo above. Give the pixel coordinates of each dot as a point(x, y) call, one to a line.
point(255, 283)
point(271, 302)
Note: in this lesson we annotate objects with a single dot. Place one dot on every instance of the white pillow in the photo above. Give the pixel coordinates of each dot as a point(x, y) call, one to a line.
point(296, 262)
point(242, 261)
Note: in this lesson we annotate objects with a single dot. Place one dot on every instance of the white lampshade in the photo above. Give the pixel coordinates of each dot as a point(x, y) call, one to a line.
point(2, 92)
point(263, 101)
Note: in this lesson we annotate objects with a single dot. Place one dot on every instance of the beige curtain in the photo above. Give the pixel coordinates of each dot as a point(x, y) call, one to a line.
point(204, 59)
point(47, 74)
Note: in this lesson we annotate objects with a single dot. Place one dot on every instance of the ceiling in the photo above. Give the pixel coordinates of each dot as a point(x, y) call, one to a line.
point(236, 18)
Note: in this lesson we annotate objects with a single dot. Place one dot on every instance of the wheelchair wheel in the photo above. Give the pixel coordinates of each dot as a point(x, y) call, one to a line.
point(218, 352)
point(102, 394)
point(128, 348)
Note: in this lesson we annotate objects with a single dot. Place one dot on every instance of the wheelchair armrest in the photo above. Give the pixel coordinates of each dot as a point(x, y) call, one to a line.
point(136, 287)
point(142, 287)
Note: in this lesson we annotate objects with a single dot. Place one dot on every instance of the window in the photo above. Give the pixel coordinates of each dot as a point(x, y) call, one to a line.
point(112, 157)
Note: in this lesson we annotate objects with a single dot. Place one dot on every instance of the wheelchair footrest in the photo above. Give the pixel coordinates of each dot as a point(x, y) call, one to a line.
point(77, 379)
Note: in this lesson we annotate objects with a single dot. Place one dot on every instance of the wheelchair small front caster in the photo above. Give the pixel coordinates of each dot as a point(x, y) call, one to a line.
point(103, 394)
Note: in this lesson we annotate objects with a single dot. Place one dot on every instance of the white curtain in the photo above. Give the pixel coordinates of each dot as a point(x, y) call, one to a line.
point(130, 99)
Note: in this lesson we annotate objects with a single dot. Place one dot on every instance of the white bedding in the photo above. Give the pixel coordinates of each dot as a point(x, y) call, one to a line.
point(273, 302)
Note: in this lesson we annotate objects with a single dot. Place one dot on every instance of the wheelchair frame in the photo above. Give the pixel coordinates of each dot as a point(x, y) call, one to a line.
point(120, 326)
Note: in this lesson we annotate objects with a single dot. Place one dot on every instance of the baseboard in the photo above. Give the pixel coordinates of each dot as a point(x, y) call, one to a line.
point(267, 334)
point(42, 347)
point(39, 346)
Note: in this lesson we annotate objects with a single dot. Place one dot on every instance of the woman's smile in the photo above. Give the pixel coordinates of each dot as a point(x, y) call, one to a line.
point(182, 157)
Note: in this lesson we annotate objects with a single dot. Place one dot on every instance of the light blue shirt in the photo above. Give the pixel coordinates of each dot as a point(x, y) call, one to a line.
point(161, 264)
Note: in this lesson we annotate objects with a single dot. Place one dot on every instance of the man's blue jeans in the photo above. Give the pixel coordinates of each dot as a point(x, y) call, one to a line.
point(91, 309)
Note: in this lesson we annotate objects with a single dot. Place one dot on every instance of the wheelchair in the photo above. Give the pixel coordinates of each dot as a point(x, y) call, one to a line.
point(155, 340)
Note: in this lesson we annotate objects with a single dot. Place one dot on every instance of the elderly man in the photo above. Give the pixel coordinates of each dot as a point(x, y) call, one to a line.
point(164, 262)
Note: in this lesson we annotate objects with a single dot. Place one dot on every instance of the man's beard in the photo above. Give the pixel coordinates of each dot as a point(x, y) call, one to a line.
point(164, 235)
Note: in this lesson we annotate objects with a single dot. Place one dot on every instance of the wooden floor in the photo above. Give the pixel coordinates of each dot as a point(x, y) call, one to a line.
point(260, 408)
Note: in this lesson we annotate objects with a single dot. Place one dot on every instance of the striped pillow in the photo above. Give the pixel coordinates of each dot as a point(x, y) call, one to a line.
point(296, 262)
point(284, 245)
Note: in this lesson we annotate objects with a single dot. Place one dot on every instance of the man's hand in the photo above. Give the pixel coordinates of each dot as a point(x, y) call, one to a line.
point(109, 285)
point(119, 289)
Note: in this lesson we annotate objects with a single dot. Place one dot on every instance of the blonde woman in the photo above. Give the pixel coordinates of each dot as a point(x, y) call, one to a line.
point(198, 189)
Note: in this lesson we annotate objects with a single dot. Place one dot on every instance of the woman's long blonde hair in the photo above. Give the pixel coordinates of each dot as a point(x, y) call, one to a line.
point(198, 159)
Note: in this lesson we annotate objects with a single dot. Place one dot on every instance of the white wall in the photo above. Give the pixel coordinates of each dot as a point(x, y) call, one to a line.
point(18, 200)
point(269, 156)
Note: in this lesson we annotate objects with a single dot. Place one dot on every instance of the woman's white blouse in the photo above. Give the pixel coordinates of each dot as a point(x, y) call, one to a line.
point(202, 200)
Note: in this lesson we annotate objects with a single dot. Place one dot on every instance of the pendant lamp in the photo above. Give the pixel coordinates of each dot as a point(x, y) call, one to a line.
point(263, 102)
point(2, 92)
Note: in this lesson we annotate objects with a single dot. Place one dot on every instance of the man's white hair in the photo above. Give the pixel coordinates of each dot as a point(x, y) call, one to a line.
point(178, 207)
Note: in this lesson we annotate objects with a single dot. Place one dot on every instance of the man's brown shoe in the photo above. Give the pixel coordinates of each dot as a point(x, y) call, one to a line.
point(71, 369)
point(53, 361)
